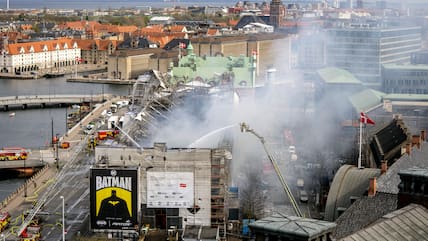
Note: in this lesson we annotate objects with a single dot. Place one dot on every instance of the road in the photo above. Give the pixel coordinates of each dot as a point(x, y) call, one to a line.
point(74, 187)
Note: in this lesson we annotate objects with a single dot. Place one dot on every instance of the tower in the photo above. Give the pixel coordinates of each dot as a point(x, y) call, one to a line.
point(276, 13)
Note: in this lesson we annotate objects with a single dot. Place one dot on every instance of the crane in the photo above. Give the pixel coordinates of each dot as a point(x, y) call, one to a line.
point(246, 128)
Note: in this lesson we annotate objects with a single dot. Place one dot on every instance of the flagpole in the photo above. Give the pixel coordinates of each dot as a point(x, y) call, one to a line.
point(361, 138)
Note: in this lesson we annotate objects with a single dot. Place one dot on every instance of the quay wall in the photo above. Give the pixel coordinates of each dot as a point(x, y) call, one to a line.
point(42, 176)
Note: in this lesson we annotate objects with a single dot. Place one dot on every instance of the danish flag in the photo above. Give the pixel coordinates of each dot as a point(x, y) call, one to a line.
point(78, 59)
point(183, 185)
point(365, 119)
point(182, 45)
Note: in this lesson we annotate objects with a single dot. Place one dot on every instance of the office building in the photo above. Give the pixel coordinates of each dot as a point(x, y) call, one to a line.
point(362, 49)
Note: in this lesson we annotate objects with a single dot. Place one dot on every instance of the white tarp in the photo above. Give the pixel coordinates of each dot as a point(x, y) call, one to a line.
point(170, 189)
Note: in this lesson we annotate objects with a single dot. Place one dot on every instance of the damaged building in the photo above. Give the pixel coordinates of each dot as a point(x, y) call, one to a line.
point(204, 173)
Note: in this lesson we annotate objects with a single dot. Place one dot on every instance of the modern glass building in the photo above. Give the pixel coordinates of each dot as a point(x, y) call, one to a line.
point(362, 49)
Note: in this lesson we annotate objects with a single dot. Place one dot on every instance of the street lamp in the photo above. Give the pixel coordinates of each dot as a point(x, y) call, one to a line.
point(246, 128)
point(3, 237)
point(57, 150)
point(25, 176)
point(63, 221)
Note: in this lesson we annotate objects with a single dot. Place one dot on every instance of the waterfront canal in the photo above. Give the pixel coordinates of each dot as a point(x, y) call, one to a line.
point(32, 128)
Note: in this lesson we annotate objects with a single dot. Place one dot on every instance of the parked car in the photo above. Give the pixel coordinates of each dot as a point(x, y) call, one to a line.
point(89, 129)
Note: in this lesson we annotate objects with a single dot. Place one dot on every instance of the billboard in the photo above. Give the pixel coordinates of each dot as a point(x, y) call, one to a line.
point(113, 199)
point(170, 189)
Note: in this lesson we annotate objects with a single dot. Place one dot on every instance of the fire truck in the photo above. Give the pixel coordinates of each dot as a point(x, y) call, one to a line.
point(13, 154)
point(4, 221)
point(104, 134)
point(33, 231)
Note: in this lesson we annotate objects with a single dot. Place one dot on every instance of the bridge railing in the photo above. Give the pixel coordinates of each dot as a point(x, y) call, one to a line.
point(39, 99)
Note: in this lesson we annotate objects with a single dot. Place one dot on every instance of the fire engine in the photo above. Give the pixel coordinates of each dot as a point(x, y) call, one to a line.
point(33, 231)
point(104, 134)
point(4, 221)
point(11, 155)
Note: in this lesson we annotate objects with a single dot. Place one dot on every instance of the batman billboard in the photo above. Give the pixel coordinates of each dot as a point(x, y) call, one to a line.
point(113, 198)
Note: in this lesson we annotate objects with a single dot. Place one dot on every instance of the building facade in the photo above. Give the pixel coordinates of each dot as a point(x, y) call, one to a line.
point(209, 171)
point(271, 50)
point(405, 79)
point(310, 50)
point(362, 49)
point(96, 51)
point(277, 12)
point(129, 64)
point(49, 55)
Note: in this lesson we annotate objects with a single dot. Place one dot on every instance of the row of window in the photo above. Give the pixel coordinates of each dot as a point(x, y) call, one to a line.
point(395, 32)
point(355, 40)
point(335, 46)
point(407, 82)
point(400, 38)
point(358, 33)
point(400, 47)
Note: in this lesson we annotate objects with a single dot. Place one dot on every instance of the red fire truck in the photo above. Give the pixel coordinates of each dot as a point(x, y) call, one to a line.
point(33, 230)
point(104, 134)
point(13, 153)
point(31, 233)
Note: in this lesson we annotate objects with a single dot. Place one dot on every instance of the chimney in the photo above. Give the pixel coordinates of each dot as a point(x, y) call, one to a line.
point(372, 187)
point(423, 137)
point(383, 166)
point(416, 141)
point(408, 148)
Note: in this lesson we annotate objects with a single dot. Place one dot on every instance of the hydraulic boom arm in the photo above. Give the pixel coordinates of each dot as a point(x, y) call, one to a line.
point(246, 128)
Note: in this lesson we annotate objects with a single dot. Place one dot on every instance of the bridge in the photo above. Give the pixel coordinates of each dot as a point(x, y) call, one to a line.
point(43, 101)
point(21, 164)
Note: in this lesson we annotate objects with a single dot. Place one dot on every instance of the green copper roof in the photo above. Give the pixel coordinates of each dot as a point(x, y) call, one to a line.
point(332, 75)
point(366, 99)
point(190, 46)
point(406, 97)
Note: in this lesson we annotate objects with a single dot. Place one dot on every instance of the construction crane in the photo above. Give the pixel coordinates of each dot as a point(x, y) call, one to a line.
point(246, 128)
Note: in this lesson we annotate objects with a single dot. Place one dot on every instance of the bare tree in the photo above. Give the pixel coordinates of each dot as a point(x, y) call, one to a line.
point(252, 194)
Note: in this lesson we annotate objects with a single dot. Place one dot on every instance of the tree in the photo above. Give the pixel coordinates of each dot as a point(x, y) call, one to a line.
point(252, 194)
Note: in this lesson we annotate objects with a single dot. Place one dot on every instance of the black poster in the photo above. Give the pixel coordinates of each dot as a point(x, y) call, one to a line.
point(113, 198)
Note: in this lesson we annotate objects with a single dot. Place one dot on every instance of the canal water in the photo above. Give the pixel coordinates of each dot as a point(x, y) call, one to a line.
point(32, 128)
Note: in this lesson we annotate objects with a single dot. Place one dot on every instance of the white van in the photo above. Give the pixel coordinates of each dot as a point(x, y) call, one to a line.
point(122, 103)
point(113, 108)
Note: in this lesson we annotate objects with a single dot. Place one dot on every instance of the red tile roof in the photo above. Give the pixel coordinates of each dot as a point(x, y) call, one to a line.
point(14, 49)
